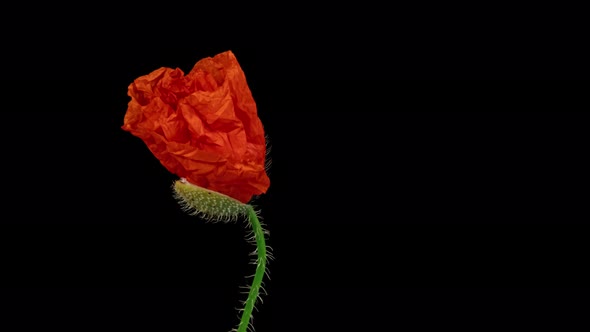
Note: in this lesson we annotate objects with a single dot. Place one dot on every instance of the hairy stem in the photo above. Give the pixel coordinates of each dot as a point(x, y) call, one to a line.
point(260, 269)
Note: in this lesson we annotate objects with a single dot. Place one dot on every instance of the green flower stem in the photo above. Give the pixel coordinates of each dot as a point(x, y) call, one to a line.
point(260, 269)
point(214, 206)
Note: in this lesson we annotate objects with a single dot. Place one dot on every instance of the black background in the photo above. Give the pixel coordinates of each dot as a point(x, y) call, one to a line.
point(403, 196)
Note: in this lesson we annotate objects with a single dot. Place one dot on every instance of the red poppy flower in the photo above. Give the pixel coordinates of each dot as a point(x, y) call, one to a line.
point(202, 126)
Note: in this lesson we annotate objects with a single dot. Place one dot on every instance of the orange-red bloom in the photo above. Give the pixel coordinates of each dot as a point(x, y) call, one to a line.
point(202, 126)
